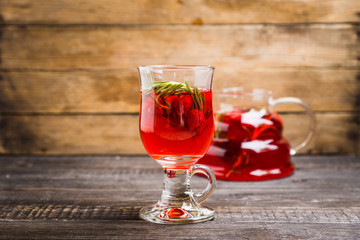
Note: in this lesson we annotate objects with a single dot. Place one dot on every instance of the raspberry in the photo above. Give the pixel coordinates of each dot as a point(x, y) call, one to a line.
point(194, 119)
point(181, 104)
point(238, 132)
point(273, 131)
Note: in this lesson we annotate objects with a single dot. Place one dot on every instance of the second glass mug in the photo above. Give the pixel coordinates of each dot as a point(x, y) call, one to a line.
point(248, 143)
point(176, 128)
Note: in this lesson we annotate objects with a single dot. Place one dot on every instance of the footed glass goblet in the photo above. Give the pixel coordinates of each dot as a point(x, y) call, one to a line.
point(176, 128)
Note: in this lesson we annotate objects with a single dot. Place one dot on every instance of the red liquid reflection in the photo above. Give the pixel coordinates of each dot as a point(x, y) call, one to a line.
point(248, 146)
point(176, 213)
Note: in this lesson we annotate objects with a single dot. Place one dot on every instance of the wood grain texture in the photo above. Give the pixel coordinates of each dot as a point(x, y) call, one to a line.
point(177, 11)
point(227, 47)
point(68, 81)
point(98, 197)
point(141, 230)
point(134, 181)
point(118, 134)
point(113, 91)
point(71, 134)
point(235, 214)
point(117, 91)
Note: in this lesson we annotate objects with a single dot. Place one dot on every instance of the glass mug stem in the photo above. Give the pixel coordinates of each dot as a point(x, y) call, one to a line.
point(178, 203)
point(312, 121)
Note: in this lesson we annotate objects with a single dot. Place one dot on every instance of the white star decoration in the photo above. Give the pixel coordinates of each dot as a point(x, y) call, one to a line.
point(259, 145)
point(254, 118)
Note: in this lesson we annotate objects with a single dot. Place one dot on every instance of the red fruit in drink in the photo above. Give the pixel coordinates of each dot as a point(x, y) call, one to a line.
point(273, 131)
point(175, 127)
point(179, 106)
point(238, 132)
point(181, 103)
point(159, 111)
point(194, 119)
point(175, 118)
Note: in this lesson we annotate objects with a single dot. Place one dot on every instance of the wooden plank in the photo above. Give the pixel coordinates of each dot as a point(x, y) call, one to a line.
point(321, 195)
point(110, 176)
point(113, 91)
point(101, 183)
point(117, 91)
point(141, 230)
point(70, 134)
point(114, 134)
point(177, 11)
point(229, 47)
point(252, 198)
point(142, 196)
point(243, 214)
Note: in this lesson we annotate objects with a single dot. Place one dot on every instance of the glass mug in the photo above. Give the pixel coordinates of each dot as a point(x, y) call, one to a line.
point(248, 143)
point(176, 128)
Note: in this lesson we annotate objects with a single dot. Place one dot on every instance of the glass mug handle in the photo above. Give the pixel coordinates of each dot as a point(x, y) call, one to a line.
point(312, 122)
point(202, 169)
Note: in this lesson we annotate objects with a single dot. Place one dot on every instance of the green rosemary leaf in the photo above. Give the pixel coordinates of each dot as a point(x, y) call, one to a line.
point(200, 98)
point(167, 103)
point(180, 91)
point(188, 87)
point(203, 99)
point(163, 89)
point(158, 89)
point(156, 102)
point(196, 98)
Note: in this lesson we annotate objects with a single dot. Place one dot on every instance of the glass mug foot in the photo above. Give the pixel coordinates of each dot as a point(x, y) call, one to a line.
point(191, 213)
point(178, 204)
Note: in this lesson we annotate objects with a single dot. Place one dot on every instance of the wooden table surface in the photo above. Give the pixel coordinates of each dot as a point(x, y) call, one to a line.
point(98, 197)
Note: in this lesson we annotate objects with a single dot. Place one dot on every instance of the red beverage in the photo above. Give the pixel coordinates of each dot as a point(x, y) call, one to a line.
point(176, 125)
point(248, 146)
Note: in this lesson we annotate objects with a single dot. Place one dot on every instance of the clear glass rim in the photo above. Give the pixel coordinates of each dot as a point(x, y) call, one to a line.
point(176, 67)
point(240, 91)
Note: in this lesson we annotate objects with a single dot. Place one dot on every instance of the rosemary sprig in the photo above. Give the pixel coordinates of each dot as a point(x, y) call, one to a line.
point(164, 89)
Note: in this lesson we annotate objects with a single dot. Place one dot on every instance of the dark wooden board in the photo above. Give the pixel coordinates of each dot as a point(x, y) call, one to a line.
point(98, 197)
point(228, 47)
point(177, 11)
point(117, 91)
point(211, 230)
point(62, 59)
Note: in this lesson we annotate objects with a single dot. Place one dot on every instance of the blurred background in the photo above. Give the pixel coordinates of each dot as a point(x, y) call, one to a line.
point(69, 83)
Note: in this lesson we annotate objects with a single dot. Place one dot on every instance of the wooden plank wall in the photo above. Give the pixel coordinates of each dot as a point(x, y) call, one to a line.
point(69, 85)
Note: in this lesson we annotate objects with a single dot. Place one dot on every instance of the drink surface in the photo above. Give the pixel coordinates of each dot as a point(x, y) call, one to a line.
point(176, 125)
point(248, 146)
